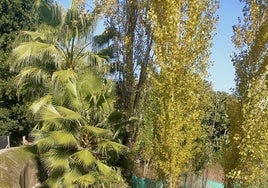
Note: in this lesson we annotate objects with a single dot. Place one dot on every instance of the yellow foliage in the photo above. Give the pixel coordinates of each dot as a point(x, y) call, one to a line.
point(182, 37)
point(249, 123)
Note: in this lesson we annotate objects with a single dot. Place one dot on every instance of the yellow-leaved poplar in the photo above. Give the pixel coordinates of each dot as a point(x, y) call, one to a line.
point(182, 34)
point(247, 156)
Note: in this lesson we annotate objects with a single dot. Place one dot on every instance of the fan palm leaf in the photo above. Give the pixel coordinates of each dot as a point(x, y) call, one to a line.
point(49, 113)
point(37, 105)
point(27, 52)
point(64, 76)
point(105, 145)
point(33, 35)
point(96, 131)
point(84, 158)
point(64, 139)
point(44, 144)
point(104, 169)
point(85, 180)
point(69, 177)
point(65, 81)
point(32, 74)
point(67, 114)
point(56, 160)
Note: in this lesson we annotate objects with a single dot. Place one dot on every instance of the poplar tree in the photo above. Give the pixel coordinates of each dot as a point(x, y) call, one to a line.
point(132, 47)
point(246, 161)
point(182, 34)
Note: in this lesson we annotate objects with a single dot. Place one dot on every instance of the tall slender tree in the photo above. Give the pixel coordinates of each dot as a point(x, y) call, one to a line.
point(182, 36)
point(132, 44)
point(248, 133)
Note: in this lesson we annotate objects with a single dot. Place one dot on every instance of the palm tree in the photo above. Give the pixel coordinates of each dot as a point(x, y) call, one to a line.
point(74, 101)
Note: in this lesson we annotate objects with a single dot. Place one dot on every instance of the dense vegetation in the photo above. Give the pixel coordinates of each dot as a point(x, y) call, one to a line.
point(16, 16)
point(99, 108)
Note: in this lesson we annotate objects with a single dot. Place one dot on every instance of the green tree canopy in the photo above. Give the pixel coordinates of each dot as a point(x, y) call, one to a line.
point(73, 99)
point(15, 16)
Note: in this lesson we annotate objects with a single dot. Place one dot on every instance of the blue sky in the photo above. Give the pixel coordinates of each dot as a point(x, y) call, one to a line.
point(222, 72)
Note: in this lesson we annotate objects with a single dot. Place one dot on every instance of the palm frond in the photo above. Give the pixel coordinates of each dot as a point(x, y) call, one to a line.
point(70, 177)
point(96, 131)
point(54, 182)
point(27, 52)
point(94, 60)
point(49, 113)
point(85, 180)
point(104, 169)
point(49, 126)
point(37, 105)
point(63, 139)
point(52, 113)
point(68, 114)
point(84, 158)
point(63, 77)
point(71, 89)
point(108, 145)
point(56, 160)
point(33, 35)
point(44, 144)
point(32, 75)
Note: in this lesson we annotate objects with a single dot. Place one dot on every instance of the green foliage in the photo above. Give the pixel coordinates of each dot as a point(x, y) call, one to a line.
point(69, 142)
point(105, 37)
point(217, 119)
point(13, 118)
point(73, 100)
point(16, 15)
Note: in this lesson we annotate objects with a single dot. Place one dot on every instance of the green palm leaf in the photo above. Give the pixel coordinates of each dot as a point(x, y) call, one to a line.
point(34, 35)
point(52, 113)
point(94, 60)
point(32, 74)
point(68, 114)
point(44, 144)
point(84, 157)
point(65, 81)
point(63, 139)
point(37, 105)
point(104, 169)
point(64, 76)
point(54, 182)
point(71, 89)
point(106, 145)
point(56, 160)
point(49, 113)
point(85, 180)
point(70, 177)
point(96, 131)
point(28, 51)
